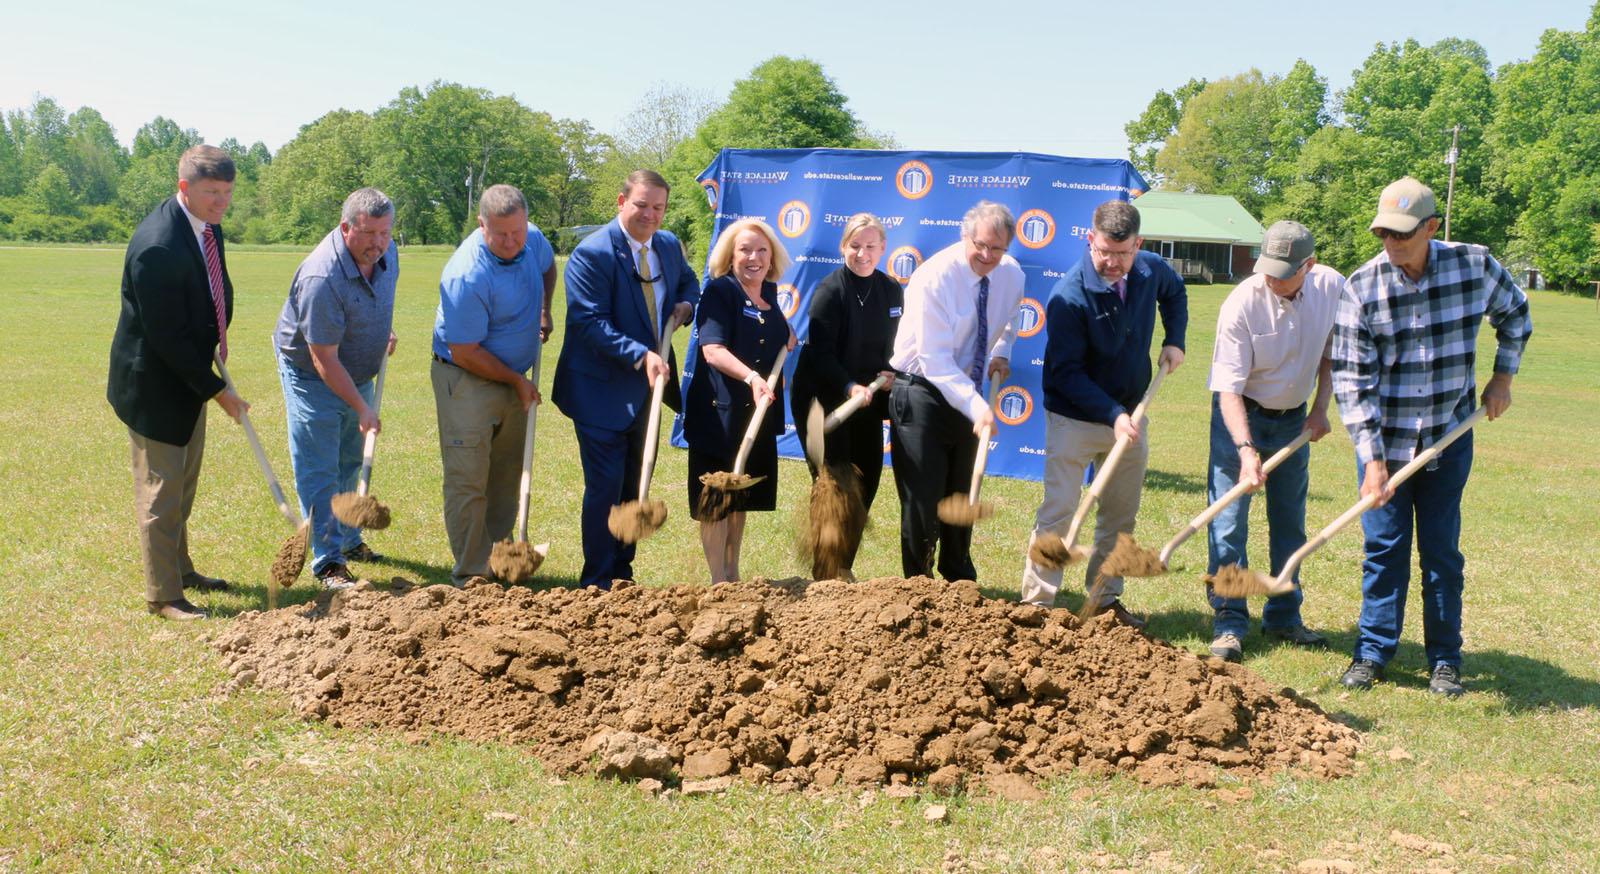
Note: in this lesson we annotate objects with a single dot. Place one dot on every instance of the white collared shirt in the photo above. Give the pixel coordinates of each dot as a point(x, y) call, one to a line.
point(198, 226)
point(1268, 348)
point(651, 266)
point(939, 328)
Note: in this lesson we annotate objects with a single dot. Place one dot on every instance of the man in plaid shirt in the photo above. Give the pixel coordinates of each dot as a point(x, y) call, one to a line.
point(1403, 353)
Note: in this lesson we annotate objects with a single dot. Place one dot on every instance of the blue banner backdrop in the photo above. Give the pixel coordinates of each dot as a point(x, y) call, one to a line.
point(808, 194)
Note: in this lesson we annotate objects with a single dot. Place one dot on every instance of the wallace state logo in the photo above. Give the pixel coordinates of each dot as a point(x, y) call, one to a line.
point(1035, 229)
point(793, 218)
point(788, 300)
point(711, 189)
point(913, 180)
point(1013, 405)
point(903, 262)
point(1030, 317)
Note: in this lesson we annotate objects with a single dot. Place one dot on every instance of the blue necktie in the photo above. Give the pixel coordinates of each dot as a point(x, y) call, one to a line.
point(981, 345)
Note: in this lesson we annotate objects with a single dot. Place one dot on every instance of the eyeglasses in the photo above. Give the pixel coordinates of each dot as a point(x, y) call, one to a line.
point(986, 250)
point(1386, 234)
point(1113, 253)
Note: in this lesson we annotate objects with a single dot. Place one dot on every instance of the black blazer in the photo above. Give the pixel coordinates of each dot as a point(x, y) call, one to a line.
point(161, 373)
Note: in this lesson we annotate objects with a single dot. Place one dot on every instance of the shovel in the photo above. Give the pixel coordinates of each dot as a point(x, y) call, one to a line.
point(965, 510)
point(291, 557)
point(1129, 559)
point(856, 402)
point(515, 560)
point(1053, 552)
point(358, 509)
point(633, 521)
point(1237, 582)
point(715, 498)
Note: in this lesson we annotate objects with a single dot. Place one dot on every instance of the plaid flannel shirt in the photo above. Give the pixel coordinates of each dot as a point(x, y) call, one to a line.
point(1403, 351)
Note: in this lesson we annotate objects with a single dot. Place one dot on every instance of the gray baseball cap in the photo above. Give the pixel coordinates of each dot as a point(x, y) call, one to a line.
point(1284, 249)
point(1403, 205)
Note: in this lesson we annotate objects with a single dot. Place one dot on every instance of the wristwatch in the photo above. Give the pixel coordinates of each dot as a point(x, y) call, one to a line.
point(1244, 444)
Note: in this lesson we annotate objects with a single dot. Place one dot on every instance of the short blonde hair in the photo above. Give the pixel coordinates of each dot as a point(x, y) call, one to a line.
point(722, 253)
point(858, 223)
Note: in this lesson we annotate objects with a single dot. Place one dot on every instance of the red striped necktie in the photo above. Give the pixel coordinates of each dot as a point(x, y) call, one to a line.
point(214, 273)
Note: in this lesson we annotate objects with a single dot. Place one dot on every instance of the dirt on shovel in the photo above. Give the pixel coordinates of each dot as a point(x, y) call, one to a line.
point(291, 557)
point(835, 520)
point(1129, 559)
point(635, 520)
point(515, 561)
point(360, 511)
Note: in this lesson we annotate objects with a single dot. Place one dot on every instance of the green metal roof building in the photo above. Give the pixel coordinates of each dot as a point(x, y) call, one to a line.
point(1206, 237)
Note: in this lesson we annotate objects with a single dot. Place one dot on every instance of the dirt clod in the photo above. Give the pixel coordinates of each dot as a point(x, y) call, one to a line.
point(514, 560)
point(291, 557)
point(1129, 559)
point(1050, 552)
point(791, 683)
point(360, 511)
point(633, 521)
point(958, 510)
point(1232, 581)
point(835, 520)
point(716, 499)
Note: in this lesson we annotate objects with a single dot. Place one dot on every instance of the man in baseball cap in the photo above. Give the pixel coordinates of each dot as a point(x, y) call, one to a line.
point(1271, 349)
point(1403, 351)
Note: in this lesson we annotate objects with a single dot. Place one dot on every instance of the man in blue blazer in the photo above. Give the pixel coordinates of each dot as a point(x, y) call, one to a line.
point(623, 283)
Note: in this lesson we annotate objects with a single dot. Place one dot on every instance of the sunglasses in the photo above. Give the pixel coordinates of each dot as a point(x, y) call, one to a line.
point(1386, 234)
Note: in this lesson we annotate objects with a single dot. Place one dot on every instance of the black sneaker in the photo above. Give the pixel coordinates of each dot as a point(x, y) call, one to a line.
point(1361, 674)
point(1446, 681)
point(361, 552)
point(334, 577)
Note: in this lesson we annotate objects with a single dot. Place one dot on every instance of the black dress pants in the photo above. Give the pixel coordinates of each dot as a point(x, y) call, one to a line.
point(933, 450)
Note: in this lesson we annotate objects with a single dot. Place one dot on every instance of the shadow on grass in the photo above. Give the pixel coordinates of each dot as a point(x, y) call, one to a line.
point(1182, 483)
point(1524, 682)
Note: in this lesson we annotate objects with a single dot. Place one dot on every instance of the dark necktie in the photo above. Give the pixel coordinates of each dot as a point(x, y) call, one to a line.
point(981, 344)
point(1121, 286)
point(214, 274)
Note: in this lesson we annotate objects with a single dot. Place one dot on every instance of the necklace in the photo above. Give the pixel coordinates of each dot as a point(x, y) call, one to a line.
point(866, 292)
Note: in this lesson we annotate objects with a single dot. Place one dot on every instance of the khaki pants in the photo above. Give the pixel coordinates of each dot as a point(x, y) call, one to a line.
point(1070, 444)
point(164, 481)
point(481, 430)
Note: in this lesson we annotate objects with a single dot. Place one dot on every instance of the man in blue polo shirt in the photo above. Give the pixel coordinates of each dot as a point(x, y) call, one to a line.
point(1099, 321)
point(486, 337)
point(332, 335)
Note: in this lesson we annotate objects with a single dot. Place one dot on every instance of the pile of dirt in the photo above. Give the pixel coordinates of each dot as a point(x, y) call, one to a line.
point(790, 682)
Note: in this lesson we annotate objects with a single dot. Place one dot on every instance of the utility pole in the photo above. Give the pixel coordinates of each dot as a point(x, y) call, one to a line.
point(1450, 191)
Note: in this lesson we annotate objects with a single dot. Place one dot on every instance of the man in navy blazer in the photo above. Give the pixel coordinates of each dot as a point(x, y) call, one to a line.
point(177, 301)
point(623, 283)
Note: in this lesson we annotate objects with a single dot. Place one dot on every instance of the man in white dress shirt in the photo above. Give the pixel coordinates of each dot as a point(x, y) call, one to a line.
point(956, 330)
point(1272, 343)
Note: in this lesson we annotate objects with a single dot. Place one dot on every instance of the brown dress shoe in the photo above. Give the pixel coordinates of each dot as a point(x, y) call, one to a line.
point(178, 611)
point(1122, 615)
point(197, 580)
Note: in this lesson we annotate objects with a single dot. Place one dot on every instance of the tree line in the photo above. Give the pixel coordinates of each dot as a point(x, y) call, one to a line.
point(1527, 147)
point(66, 178)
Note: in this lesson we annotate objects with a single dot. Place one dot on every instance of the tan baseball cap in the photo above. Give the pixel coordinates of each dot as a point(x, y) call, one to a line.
point(1403, 205)
point(1284, 249)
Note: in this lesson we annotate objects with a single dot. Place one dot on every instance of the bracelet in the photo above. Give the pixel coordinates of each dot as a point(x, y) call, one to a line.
point(1244, 444)
point(751, 377)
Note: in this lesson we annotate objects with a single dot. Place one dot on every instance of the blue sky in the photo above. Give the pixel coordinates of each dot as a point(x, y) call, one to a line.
point(1060, 78)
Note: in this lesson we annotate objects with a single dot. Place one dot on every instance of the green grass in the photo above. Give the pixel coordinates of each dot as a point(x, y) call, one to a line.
point(117, 749)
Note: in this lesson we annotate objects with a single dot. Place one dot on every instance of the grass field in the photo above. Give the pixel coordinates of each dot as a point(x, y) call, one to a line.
point(117, 751)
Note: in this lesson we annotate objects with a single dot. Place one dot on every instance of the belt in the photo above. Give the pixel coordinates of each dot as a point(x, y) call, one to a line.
point(911, 379)
point(1254, 407)
point(443, 360)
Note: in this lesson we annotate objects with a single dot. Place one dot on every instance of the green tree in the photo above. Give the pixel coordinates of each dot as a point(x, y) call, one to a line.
point(306, 183)
point(1545, 143)
point(42, 136)
point(95, 161)
point(50, 193)
point(572, 187)
point(10, 156)
point(1150, 131)
point(783, 103)
point(149, 180)
point(163, 136)
point(1224, 142)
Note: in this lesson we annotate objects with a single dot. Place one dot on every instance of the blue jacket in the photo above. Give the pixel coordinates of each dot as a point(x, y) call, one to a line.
point(598, 382)
point(1097, 351)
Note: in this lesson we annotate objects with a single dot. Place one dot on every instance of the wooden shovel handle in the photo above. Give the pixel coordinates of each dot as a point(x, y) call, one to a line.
point(1113, 458)
point(755, 417)
point(289, 511)
point(982, 460)
point(1420, 461)
point(846, 409)
point(370, 447)
point(1230, 496)
point(524, 486)
point(652, 430)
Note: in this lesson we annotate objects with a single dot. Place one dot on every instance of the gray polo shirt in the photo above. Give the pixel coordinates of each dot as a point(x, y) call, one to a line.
point(331, 303)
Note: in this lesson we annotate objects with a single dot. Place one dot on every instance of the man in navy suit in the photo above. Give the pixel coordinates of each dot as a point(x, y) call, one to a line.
point(623, 283)
point(177, 301)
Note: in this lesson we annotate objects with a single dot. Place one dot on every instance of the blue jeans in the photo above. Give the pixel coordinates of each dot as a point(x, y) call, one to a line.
point(1429, 504)
point(325, 450)
point(1286, 515)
